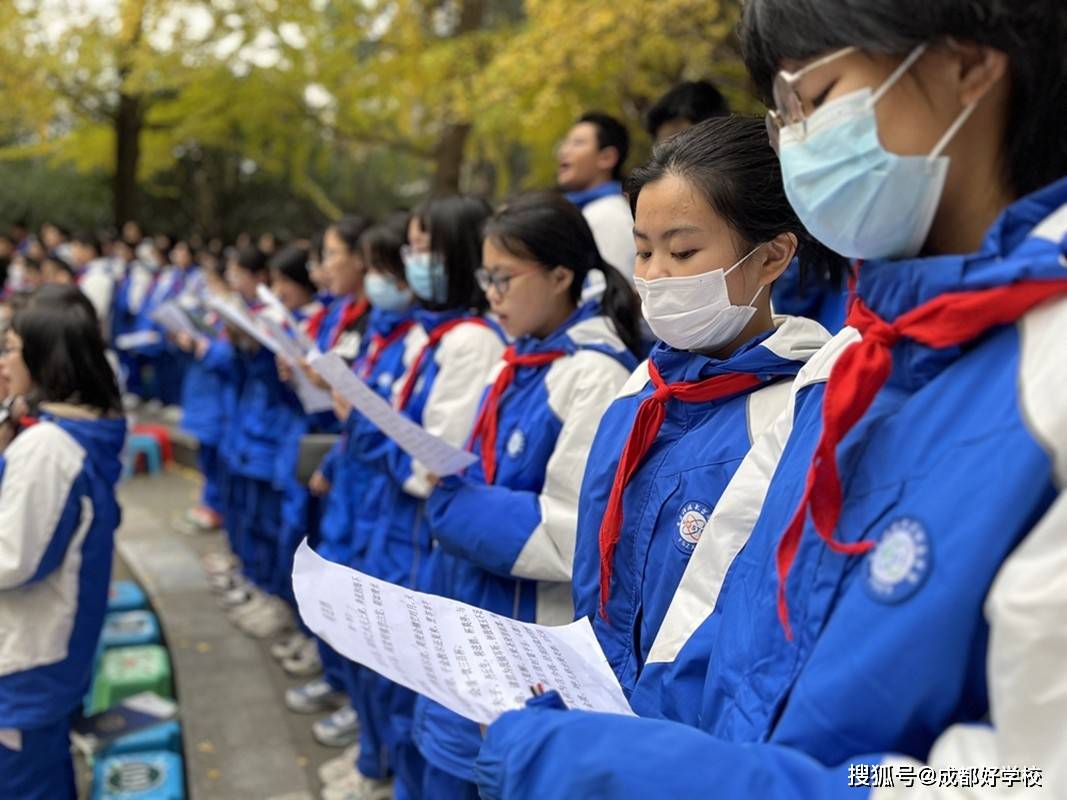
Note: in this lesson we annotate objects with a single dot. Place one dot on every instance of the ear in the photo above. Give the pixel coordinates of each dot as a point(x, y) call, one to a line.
point(607, 159)
point(563, 279)
point(979, 68)
point(776, 257)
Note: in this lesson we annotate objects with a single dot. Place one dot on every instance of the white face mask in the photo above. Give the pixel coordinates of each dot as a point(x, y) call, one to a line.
point(694, 312)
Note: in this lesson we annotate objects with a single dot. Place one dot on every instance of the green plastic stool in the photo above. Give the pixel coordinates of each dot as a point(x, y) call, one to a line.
point(126, 671)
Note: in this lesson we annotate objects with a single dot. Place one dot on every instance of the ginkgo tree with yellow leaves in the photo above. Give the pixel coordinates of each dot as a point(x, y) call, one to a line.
point(443, 94)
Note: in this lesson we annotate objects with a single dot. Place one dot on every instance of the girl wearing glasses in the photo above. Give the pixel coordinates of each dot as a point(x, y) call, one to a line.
point(505, 530)
point(897, 610)
point(57, 521)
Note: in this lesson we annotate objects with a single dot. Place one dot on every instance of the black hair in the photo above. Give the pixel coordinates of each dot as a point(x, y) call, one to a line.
point(349, 228)
point(382, 244)
point(31, 263)
point(62, 263)
point(547, 228)
point(252, 258)
point(85, 238)
point(64, 350)
point(454, 223)
point(292, 262)
point(1031, 33)
point(695, 101)
point(730, 161)
point(610, 133)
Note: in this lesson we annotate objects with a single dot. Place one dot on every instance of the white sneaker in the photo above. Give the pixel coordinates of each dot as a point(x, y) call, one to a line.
point(313, 697)
point(305, 663)
point(340, 729)
point(219, 561)
point(256, 600)
point(239, 596)
point(224, 582)
point(288, 646)
point(358, 787)
point(337, 769)
point(275, 618)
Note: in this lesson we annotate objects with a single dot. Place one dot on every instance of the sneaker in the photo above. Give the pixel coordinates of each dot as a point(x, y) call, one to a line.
point(273, 618)
point(239, 596)
point(340, 729)
point(357, 787)
point(288, 646)
point(203, 520)
point(305, 663)
point(337, 769)
point(254, 605)
point(313, 698)
point(225, 582)
point(219, 562)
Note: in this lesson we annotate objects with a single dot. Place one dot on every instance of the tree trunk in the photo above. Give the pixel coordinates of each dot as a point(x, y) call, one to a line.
point(128, 119)
point(448, 159)
point(448, 155)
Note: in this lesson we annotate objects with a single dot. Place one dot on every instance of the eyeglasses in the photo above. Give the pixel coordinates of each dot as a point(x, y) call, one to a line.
point(788, 107)
point(493, 280)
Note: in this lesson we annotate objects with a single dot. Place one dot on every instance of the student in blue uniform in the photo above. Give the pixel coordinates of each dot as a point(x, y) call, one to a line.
point(134, 283)
point(504, 531)
point(339, 326)
point(713, 231)
point(271, 613)
point(445, 367)
point(178, 281)
point(57, 521)
point(899, 599)
point(252, 443)
point(356, 490)
point(208, 396)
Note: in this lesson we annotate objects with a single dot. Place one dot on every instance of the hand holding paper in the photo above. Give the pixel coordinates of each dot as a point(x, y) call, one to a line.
point(472, 661)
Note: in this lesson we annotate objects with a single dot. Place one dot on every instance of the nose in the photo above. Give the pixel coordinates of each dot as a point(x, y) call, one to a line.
point(655, 267)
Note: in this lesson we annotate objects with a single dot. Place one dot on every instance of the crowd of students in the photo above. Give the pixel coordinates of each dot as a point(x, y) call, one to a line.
point(805, 542)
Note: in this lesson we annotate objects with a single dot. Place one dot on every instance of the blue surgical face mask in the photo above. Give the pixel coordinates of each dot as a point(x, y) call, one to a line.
point(383, 293)
point(425, 274)
point(851, 193)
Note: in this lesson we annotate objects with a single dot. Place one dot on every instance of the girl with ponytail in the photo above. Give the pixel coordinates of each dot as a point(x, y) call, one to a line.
point(504, 531)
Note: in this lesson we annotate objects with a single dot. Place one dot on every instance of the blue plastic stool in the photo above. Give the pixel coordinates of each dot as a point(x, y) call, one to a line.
point(140, 776)
point(141, 444)
point(164, 736)
point(125, 596)
point(127, 628)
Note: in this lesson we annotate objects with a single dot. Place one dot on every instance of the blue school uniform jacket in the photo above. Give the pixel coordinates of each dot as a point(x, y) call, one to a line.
point(943, 647)
point(255, 436)
point(668, 501)
point(57, 522)
point(448, 386)
point(355, 486)
point(507, 546)
point(208, 397)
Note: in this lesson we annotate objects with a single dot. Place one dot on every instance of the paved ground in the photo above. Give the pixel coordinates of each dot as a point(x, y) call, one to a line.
point(240, 742)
